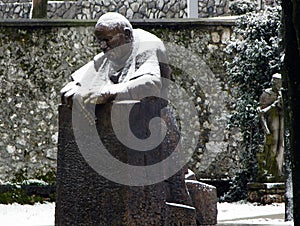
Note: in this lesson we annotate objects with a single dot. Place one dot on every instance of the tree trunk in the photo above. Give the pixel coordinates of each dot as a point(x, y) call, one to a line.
point(39, 8)
point(291, 95)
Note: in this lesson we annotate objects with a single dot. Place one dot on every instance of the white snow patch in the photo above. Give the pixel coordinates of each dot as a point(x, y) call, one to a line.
point(273, 185)
point(25, 215)
point(35, 181)
point(248, 213)
point(180, 205)
point(228, 214)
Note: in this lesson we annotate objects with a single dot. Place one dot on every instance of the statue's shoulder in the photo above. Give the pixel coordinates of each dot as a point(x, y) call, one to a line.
point(267, 97)
point(89, 69)
point(148, 44)
point(78, 74)
point(144, 37)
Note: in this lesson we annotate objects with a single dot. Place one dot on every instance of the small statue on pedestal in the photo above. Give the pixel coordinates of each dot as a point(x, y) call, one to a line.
point(270, 160)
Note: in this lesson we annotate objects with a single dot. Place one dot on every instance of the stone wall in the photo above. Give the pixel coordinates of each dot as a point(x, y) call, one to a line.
point(37, 58)
point(92, 9)
point(130, 9)
point(9, 10)
point(34, 65)
point(212, 8)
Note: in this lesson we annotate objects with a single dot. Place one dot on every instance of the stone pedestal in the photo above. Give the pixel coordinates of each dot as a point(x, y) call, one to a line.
point(85, 197)
point(266, 193)
point(178, 214)
point(205, 200)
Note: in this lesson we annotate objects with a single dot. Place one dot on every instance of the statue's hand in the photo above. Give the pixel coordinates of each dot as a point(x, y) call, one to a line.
point(107, 94)
point(67, 87)
point(267, 131)
point(68, 91)
point(114, 89)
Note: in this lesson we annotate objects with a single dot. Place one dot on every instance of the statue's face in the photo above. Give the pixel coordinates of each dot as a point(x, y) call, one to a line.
point(276, 84)
point(114, 42)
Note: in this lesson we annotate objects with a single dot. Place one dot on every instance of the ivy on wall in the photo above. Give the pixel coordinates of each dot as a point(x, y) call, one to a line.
point(256, 57)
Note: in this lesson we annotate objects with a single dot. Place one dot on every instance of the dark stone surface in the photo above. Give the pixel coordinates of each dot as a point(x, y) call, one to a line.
point(84, 197)
point(222, 186)
point(180, 215)
point(204, 198)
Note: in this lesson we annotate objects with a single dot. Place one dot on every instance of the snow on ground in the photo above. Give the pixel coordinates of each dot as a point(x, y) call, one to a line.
point(251, 214)
point(25, 215)
point(228, 214)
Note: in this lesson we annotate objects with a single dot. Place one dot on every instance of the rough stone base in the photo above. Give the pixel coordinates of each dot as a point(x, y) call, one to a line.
point(84, 197)
point(178, 214)
point(266, 193)
point(205, 200)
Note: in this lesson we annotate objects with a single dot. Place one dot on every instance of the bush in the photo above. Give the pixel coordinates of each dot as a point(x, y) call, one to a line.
point(256, 57)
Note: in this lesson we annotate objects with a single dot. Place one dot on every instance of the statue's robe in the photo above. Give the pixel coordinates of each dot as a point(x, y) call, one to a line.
point(141, 73)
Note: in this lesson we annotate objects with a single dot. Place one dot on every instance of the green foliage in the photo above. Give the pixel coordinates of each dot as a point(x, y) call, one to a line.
point(19, 196)
point(256, 57)
point(49, 177)
point(240, 7)
point(20, 176)
point(16, 191)
point(21, 193)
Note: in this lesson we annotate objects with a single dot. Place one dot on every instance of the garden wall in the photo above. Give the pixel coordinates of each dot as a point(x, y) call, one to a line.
point(133, 9)
point(92, 9)
point(37, 58)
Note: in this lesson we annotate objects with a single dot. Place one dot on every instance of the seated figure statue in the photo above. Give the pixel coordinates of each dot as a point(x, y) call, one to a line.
point(130, 67)
point(134, 66)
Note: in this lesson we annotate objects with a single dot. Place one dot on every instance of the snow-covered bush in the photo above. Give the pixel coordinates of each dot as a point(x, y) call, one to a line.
point(255, 58)
point(240, 7)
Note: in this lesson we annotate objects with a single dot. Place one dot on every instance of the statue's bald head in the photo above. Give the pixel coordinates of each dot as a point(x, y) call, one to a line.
point(114, 20)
